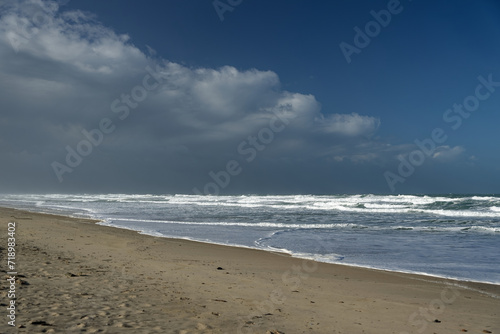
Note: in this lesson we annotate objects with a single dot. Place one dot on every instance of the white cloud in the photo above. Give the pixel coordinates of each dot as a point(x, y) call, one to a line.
point(348, 124)
point(215, 95)
point(34, 28)
point(447, 153)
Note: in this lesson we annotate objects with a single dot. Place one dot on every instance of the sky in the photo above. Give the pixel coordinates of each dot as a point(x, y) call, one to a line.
point(249, 97)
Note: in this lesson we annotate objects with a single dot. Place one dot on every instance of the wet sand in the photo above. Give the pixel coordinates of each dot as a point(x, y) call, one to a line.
point(74, 276)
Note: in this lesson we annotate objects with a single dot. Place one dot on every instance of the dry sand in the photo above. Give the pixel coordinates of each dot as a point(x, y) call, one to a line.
point(75, 276)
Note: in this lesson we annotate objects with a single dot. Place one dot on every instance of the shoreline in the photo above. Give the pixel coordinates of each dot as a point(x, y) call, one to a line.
point(291, 254)
point(94, 272)
point(409, 272)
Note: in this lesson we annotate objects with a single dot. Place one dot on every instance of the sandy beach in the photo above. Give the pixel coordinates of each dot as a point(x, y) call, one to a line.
point(74, 276)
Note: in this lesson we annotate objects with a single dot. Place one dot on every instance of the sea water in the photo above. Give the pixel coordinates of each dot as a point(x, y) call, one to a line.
point(455, 236)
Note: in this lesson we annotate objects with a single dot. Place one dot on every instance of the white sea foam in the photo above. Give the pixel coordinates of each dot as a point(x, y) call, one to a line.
point(221, 223)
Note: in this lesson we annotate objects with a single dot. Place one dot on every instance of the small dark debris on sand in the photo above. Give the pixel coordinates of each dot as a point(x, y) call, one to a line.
point(41, 322)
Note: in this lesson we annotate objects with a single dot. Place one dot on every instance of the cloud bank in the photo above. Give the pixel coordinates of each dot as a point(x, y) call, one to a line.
point(63, 72)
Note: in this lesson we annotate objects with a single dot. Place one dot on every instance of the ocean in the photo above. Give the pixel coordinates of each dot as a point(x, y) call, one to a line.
point(453, 236)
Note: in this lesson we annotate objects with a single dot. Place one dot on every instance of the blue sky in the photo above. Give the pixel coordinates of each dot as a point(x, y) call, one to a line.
point(352, 124)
